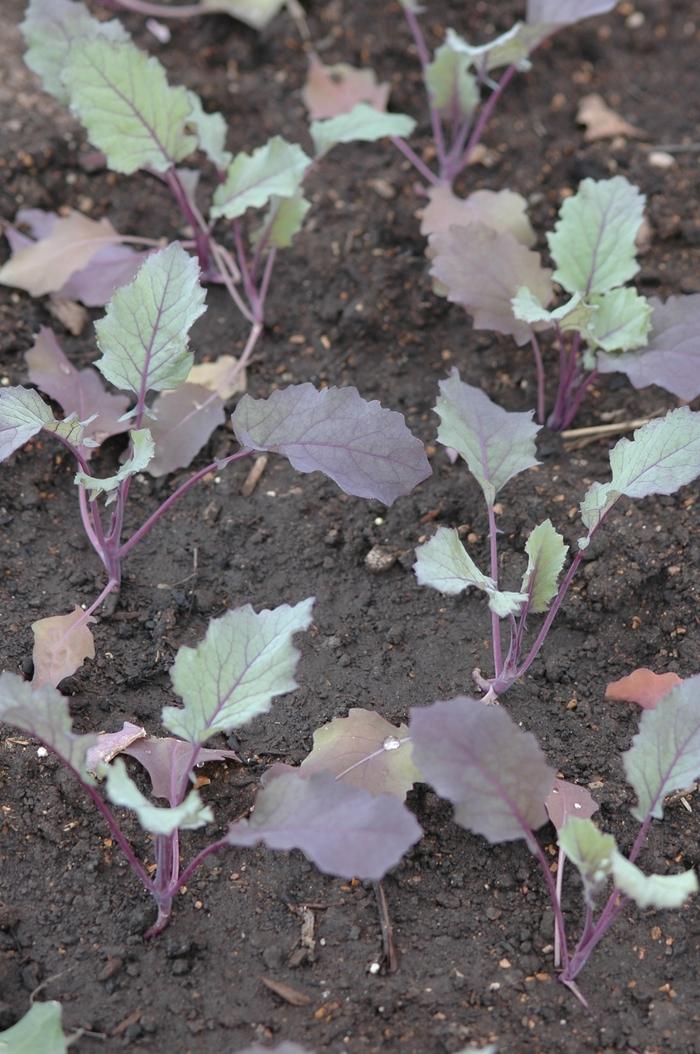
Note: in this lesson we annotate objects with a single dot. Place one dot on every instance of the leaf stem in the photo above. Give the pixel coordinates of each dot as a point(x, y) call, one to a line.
point(416, 161)
point(495, 620)
point(141, 7)
point(424, 59)
point(484, 117)
point(539, 367)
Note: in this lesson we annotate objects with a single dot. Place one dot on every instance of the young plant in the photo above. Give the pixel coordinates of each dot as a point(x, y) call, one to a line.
point(40, 1029)
point(661, 457)
point(498, 780)
point(245, 660)
point(482, 259)
point(143, 337)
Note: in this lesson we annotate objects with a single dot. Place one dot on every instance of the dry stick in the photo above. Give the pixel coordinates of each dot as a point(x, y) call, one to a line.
point(611, 429)
point(391, 957)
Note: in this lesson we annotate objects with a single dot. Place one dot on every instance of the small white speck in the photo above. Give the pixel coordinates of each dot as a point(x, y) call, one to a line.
point(217, 479)
point(322, 942)
point(374, 968)
point(378, 521)
point(270, 493)
point(577, 805)
point(391, 743)
point(42, 752)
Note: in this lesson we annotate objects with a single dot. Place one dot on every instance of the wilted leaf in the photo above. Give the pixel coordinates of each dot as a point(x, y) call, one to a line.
point(496, 444)
point(69, 313)
point(567, 800)
point(181, 422)
point(131, 113)
point(494, 774)
point(367, 450)
point(671, 359)
point(188, 816)
point(593, 242)
point(59, 648)
point(643, 687)
point(23, 414)
point(603, 123)
point(332, 90)
point(275, 169)
point(365, 751)
point(221, 376)
point(39, 1030)
point(483, 269)
point(546, 552)
point(501, 210)
point(244, 661)
point(141, 454)
point(344, 830)
point(168, 761)
point(79, 392)
point(665, 753)
point(362, 124)
point(444, 564)
point(109, 744)
point(143, 336)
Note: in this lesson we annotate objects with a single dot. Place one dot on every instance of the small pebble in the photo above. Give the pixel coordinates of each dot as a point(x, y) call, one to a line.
point(660, 159)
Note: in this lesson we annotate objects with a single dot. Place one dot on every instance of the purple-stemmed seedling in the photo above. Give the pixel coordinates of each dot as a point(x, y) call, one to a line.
point(365, 449)
point(498, 780)
point(245, 660)
point(662, 456)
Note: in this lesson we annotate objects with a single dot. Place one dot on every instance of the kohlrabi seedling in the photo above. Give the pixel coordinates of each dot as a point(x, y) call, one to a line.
point(365, 449)
point(482, 259)
point(499, 782)
point(662, 456)
point(245, 660)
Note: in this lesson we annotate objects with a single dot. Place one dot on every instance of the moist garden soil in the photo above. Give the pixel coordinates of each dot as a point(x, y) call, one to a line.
point(351, 304)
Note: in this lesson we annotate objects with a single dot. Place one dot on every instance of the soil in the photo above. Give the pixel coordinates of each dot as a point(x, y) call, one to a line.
point(351, 304)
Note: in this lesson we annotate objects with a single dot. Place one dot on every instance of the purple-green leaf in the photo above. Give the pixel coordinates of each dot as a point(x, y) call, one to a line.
point(367, 450)
point(180, 423)
point(494, 774)
point(344, 830)
point(564, 12)
point(567, 800)
point(168, 760)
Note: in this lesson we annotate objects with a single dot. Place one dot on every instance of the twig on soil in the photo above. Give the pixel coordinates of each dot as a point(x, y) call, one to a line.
point(253, 477)
point(389, 953)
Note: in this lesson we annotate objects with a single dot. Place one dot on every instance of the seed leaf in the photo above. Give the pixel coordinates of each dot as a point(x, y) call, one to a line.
point(501, 210)
point(671, 359)
point(43, 714)
point(141, 454)
point(143, 336)
point(665, 753)
point(59, 648)
point(367, 450)
point(444, 564)
point(332, 90)
point(275, 169)
point(546, 552)
point(23, 414)
point(344, 830)
point(254, 13)
point(652, 891)
point(451, 85)
point(244, 661)
point(181, 422)
point(131, 113)
point(567, 800)
point(620, 320)
point(39, 1030)
point(483, 269)
point(494, 774)
point(590, 851)
point(364, 750)
point(362, 124)
point(50, 27)
point(495, 443)
point(121, 790)
point(593, 242)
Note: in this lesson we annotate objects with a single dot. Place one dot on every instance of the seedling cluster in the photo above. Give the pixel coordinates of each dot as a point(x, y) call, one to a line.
point(344, 805)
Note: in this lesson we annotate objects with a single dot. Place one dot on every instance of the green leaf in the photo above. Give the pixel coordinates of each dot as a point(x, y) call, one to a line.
point(143, 449)
point(43, 714)
point(509, 49)
point(444, 564)
point(144, 335)
point(665, 753)
point(495, 443)
point(591, 852)
point(451, 85)
point(661, 457)
point(210, 129)
point(574, 314)
point(50, 27)
point(285, 217)
point(121, 790)
point(620, 321)
point(593, 242)
point(275, 169)
point(546, 553)
point(23, 414)
point(131, 113)
point(254, 13)
point(245, 660)
point(652, 891)
point(362, 124)
point(40, 1030)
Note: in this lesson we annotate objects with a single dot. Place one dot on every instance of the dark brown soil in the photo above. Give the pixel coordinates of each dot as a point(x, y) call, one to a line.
point(351, 304)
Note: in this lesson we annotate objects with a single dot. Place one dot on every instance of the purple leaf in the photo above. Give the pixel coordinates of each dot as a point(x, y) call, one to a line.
point(564, 12)
point(181, 424)
point(671, 359)
point(483, 269)
point(568, 799)
point(111, 267)
point(76, 391)
point(109, 744)
point(367, 450)
point(345, 831)
point(494, 774)
point(167, 761)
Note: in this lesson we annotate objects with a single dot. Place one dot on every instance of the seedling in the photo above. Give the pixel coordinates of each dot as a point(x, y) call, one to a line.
point(143, 337)
point(245, 660)
point(662, 456)
point(482, 260)
point(498, 780)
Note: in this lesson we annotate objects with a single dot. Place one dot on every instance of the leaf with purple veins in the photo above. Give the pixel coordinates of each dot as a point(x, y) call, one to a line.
point(367, 450)
point(168, 761)
point(344, 830)
point(476, 756)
